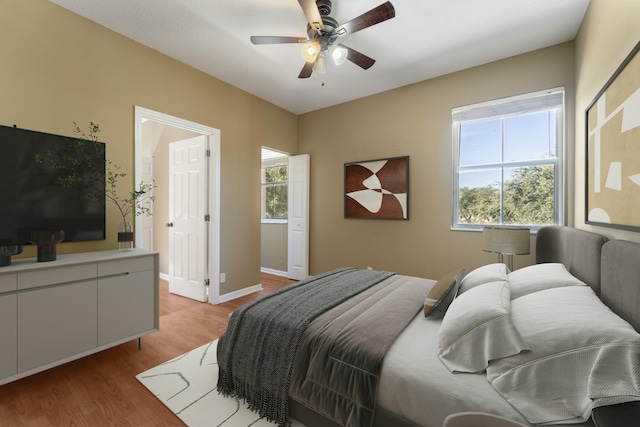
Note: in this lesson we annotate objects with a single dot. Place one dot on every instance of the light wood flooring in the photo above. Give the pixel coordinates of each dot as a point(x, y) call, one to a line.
point(101, 389)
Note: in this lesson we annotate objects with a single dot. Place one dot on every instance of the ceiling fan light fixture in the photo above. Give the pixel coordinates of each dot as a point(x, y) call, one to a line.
point(320, 66)
point(338, 54)
point(310, 51)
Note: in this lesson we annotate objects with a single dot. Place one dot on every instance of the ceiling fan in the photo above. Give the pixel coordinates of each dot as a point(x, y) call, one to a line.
point(323, 32)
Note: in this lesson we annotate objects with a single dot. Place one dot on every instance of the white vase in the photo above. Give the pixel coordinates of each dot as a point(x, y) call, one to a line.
point(125, 236)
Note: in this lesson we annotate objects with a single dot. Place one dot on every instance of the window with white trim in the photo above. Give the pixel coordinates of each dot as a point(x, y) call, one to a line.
point(508, 161)
point(274, 180)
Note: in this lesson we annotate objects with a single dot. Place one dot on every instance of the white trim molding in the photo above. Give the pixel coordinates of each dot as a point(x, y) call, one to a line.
point(240, 293)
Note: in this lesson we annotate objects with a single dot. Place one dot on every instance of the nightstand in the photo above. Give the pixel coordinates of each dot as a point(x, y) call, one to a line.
point(621, 415)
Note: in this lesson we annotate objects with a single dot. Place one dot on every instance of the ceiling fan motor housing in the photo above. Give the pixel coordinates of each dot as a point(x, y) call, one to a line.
point(324, 7)
point(327, 34)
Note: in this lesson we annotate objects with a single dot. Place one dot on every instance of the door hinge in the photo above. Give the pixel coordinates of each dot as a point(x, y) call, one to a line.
point(207, 217)
point(208, 153)
point(206, 287)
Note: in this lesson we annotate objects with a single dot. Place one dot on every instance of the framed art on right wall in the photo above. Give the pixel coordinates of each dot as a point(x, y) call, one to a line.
point(613, 150)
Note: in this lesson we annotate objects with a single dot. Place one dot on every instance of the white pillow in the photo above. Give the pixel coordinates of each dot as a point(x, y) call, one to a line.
point(539, 277)
point(485, 274)
point(582, 356)
point(476, 329)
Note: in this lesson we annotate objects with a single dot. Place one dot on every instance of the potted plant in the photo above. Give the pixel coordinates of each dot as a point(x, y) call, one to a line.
point(136, 202)
point(101, 187)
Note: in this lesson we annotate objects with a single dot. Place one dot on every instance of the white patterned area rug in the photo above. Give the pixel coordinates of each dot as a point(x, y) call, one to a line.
point(187, 386)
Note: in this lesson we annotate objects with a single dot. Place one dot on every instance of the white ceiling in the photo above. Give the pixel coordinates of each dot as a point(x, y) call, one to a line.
point(426, 39)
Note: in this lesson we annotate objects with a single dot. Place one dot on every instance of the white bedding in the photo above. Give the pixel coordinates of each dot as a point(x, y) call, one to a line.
point(582, 356)
point(415, 384)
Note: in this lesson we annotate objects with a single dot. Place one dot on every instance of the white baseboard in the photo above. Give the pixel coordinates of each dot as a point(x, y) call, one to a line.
point(272, 271)
point(240, 293)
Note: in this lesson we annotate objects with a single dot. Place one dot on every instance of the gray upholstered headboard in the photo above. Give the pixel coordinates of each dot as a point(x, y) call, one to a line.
point(611, 268)
point(620, 289)
point(579, 251)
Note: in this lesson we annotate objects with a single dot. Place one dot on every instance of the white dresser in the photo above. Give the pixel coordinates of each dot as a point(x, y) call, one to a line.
point(58, 311)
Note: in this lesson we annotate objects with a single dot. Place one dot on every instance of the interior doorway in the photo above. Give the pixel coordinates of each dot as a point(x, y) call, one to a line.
point(154, 132)
point(284, 214)
point(274, 212)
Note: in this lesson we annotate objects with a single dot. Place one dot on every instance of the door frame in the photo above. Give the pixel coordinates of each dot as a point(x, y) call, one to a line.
point(213, 138)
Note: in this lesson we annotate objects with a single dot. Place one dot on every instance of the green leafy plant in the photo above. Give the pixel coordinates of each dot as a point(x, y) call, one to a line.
point(96, 185)
point(136, 201)
point(528, 198)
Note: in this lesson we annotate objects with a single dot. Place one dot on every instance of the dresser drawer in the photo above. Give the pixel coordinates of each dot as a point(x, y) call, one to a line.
point(8, 282)
point(57, 275)
point(129, 265)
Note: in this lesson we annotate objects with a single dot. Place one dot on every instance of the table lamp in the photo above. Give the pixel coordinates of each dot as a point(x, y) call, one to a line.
point(506, 240)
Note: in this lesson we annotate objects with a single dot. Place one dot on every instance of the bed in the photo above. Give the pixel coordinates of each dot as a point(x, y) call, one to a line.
point(503, 346)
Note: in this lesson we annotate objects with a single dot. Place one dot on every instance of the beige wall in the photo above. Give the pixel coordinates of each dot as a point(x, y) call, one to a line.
point(609, 32)
point(416, 121)
point(58, 68)
point(274, 246)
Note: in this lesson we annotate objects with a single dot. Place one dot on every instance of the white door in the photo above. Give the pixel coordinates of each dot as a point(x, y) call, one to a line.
point(298, 230)
point(187, 224)
point(147, 220)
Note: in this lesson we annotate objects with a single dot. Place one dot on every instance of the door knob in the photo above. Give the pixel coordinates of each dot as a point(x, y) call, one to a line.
point(169, 224)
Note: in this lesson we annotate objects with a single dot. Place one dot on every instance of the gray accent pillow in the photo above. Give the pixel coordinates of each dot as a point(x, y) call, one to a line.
point(442, 294)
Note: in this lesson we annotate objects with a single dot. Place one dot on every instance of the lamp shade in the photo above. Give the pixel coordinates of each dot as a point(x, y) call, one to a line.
point(506, 240)
point(338, 54)
point(310, 51)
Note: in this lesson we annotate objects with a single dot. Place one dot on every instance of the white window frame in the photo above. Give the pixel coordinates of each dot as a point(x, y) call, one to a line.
point(506, 107)
point(270, 162)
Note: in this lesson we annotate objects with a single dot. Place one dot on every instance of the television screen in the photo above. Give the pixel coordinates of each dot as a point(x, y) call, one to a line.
point(50, 183)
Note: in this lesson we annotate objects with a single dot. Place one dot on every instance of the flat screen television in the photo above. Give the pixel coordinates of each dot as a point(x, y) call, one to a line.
point(50, 183)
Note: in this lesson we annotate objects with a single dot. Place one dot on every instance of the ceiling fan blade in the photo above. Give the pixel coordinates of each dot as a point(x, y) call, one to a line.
point(310, 9)
point(360, 59)
point(276, 39)
point(306, 71)
point(374, 16)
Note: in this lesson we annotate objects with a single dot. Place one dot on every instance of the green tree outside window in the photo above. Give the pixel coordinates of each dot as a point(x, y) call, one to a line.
point(275, 188)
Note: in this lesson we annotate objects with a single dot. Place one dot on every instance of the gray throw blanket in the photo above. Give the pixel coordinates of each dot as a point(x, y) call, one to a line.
point(337, 368)
point(255, 354)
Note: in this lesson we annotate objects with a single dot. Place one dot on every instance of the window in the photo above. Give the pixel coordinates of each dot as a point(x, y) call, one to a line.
point(508, 161)
point(274, 186)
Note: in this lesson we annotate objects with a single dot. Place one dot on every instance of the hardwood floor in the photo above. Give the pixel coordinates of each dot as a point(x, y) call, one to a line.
point(101, 389)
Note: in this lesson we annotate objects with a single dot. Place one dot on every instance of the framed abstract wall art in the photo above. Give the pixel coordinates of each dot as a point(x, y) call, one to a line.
point(377, 189)
point(612, 136)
